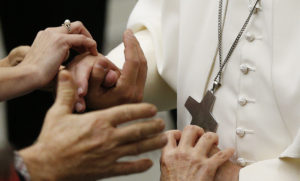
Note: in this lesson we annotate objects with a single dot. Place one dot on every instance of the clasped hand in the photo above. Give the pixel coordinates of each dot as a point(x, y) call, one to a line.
point(193, 155)
point(102, 84)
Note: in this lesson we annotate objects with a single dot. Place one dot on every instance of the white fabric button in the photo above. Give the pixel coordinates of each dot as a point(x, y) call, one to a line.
point(244, 68)
point(250, 37)
point(241, 162)
point(240, 132)
point(243, 101)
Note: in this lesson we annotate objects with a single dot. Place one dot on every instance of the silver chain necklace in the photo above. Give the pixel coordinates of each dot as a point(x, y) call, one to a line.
point(201, 112)
point(218, 78)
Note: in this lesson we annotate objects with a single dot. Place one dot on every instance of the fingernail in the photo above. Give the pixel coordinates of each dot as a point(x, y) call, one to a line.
point(79, 107)
point(80, 91)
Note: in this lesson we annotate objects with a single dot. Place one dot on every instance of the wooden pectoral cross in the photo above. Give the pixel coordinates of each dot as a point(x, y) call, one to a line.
point(201, 112)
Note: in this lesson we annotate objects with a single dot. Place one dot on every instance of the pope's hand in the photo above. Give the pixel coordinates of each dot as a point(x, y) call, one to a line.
point(129, 87)
point(185, 157)
point(88, 146)
point(81, 69)
point(103, 84)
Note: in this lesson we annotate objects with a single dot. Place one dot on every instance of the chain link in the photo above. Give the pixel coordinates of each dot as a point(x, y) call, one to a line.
point(217, 80)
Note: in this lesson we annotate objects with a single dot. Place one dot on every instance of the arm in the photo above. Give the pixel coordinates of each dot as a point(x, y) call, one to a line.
point(17, 81)
point(42, 61)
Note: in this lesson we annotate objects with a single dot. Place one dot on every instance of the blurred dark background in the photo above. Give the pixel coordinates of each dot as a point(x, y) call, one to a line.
point(21, 20)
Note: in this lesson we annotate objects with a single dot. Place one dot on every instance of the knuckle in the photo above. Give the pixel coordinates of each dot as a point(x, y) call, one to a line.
point(138, 133)
point(48, 29)
point(139, 97)
point(79, 23)
point(172, 133)
point(144, 62)
point(221, 155)
point(40, 33)
point(127, 113)
point(135, 62)
point(127, 97)
point(83, 37)
point(190, 128)
point(210, 136)
point(160, 125)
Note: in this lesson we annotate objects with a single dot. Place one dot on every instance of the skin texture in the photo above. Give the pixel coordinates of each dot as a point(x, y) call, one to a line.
point(98, 77)
point(81, 68)
point(88, 146)
point(187, 156)
point(43, 60)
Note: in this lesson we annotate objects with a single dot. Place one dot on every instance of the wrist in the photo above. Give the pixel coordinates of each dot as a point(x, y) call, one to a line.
point(37, 163)
point(30, 76)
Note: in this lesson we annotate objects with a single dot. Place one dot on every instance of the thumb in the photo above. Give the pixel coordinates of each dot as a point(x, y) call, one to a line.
point(66, 93)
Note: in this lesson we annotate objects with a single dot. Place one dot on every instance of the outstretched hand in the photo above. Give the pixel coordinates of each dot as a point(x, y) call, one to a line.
point(88, 146)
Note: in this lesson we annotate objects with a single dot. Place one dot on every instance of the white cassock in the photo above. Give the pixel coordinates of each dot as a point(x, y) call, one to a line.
point(258, 105)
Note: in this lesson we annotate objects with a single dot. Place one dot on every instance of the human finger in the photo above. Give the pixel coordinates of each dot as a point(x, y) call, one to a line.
point(110, 79)
point(82, 74)
point(81, 43)
point(221, 157)
point(66, 93)
point(143, 146)
point(125, 113)
point(190, 136)
point(126, 168)
point(139, 131)
point(97, 76)
point(76, 27)
point(131, 66)
point(206, 142)
point(143, 68)
point(173, 138)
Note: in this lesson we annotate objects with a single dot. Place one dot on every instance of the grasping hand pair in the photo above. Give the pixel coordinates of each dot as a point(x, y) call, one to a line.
point(88, 146)
point(103, 85)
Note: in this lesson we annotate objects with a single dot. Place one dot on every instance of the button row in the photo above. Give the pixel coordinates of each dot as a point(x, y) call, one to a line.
point(250, 37)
